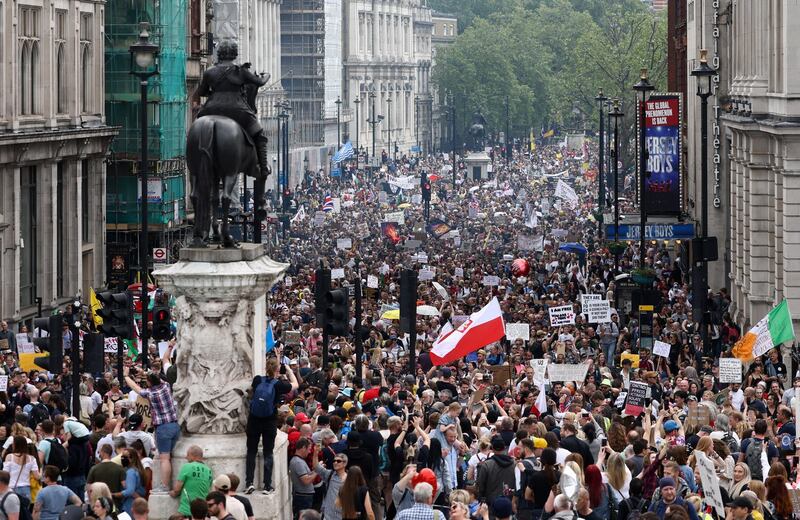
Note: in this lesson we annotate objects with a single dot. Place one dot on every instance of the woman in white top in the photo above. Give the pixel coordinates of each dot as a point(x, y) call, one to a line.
point(20, 464)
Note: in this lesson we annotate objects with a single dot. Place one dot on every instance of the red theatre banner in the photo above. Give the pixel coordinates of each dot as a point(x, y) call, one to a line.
point(663, 143)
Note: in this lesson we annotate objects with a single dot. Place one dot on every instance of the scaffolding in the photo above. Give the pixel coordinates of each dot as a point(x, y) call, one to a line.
point(303, 53)
point(167, 105)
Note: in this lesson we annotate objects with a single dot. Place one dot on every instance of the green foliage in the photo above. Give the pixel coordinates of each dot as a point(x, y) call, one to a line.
point(550, 57)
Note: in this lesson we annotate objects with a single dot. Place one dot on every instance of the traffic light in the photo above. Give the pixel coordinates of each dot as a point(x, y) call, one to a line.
point(408, 300)
point(287, 200)
point(93, 353)
point(337, 312)
point(162, 330)
point(53, 344)
point(117, 314)
point(426, 186)
point(322, 284)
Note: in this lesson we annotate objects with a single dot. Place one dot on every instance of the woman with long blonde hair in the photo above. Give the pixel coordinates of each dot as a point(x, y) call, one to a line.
point(741, 479)
point(619, 476)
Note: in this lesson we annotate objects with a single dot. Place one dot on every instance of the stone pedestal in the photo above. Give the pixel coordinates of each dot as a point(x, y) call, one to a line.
point(221, 312)
point(477, 166)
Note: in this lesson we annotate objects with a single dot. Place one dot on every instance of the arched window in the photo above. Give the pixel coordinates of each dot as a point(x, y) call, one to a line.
point(61, 85)
point(34, 78)
point(86, 79)
point(24, 73)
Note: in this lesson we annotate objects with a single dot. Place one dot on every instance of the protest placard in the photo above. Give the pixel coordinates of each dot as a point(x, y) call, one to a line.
point(337, 204)
point(372, 281)
point(26, 348)
point(426, 274)
point(292, 337)
point(730, 370)
point(110, 345)
point(459, 272)
point(564, 315)
point(23, 339)
point(619, 402)
point(383, 197)
point(337, 273)
point(539, 370)
point(412, 243)
point(530, 243)
point(143, 408)
point(567, 372)
point(710, 481)
point(422, 258)
point(344, 243)
point(502, 374)
point(395, 216)
point(3, 383)
point(661, 348)
point(4, 344)
point(589, 298)
point(287, 281)
point(518, 330)
point(597, 311)
point(319, 218)
point(634, 403)
point(491, 280)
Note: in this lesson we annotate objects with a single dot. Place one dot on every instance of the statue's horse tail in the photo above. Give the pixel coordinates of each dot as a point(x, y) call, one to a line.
point(204, 178)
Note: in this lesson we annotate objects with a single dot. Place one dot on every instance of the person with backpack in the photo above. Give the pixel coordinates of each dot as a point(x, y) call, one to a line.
point(21, 465)
point(36, 410)
point(751, 450)
point(262, 425)
point(633, 506)
point(10, 502)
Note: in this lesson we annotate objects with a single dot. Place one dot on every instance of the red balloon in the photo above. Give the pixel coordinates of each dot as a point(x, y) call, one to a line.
point(520, 267)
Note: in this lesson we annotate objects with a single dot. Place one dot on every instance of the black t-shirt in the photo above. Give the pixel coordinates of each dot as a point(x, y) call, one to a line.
point(541, 485)
point(248, 507)
point(395, 456)
point(371, 442)
point(591, 516)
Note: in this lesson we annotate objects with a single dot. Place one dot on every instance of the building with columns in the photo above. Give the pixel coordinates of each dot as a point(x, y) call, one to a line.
point(754, 135)
point(53, 146)
point(443, 34)
point(387, 55)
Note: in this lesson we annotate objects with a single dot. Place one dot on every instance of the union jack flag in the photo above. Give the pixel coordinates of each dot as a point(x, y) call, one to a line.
point(327, 204)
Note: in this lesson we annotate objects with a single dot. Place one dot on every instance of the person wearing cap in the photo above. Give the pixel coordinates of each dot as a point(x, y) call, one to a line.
point(497, 473)
point(133, 431)
point(739, 509)
point(669, 498)
point(235, 508)
point(673, 430)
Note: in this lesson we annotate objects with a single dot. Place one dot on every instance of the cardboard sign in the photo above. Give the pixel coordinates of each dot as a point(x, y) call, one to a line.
point(110, 346)
point(319, 218)
point(372, 281)
point(142, 407)
point(634, 403)
point(344, 243)
point(539, 370)
point(597, 311)
point(292, 337)
point(564, 315)
point(708, 477)
point(518, 331)
point(730, 370)
point(491, 280)
point(633, 357)
point(661, 348)
point(699, 416)
point(337, 273)
point(422, 258)
point(567, 372)
point(4, 344)
point(502, 374)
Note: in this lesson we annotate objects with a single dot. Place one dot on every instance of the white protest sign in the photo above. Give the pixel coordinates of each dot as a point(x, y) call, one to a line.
point(564, 315)
point(372, 281)
point(337, 273)
point(730, 370)
point(110, 345)
point(661, 348)
point(383, 198)
point(422, 258)
point(518, 331)
point(589, 298)
point(162, 348)
point(426, 273)
point(708, 476)
point(26, 348)
point(3, 383)
point(539, 369)
point(319, 218)
point(337, 205)
point(565, 191)
point(396, 216)
point(567, 372)
point(489, 280)
point(598, 311)
point(416, 199)
point(442, 291)
point(344, 243)
point(22, 343)
point(530, 243)
point(459, 272)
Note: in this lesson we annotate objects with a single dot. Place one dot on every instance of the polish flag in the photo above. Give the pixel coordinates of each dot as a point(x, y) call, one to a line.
point(482, 328)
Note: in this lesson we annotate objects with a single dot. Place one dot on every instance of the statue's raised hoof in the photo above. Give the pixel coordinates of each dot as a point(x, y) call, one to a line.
point(199, 243)
point(230, 243)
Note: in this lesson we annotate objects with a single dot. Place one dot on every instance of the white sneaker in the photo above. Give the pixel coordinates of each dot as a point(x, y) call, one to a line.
point(249, 490)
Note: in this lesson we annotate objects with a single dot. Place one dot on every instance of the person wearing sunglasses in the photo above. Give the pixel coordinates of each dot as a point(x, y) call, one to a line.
point(333, 480)
point(216, 506)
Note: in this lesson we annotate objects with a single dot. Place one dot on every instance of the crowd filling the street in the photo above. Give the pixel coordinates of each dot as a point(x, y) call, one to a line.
point(542, 382)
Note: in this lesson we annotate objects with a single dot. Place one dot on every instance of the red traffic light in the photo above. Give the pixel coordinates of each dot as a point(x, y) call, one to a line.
point(162, 315)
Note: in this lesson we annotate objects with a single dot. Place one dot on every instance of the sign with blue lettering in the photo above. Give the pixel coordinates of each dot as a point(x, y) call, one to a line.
point(652, 232)
point(663, 142)
point(336, 172)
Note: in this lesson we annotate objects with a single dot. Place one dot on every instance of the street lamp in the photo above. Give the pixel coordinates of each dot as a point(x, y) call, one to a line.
point(357, 103)
point(601, 181)
point(372, 120)
point(416, 122)
point(703, 92)
point(643, 86)
point(144, 64)
point(338, 122)
point(509, 152)
point(616, 114)
point(389, 124)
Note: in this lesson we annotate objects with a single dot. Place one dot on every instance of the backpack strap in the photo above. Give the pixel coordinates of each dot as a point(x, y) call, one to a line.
point(3, 503)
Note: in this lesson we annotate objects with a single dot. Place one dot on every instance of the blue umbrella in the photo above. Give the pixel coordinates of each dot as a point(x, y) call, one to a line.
point(573, 247)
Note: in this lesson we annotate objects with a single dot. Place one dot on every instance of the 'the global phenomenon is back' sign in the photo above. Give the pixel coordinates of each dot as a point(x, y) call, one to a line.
point(663, 144)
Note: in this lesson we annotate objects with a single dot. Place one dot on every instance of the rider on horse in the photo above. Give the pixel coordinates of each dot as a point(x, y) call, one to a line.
point(225, 85)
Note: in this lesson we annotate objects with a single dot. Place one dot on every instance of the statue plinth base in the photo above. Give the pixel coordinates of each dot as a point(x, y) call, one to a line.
point(221, 314)
point(478, 165)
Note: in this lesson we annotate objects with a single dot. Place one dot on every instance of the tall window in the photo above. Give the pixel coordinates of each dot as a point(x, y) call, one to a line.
point(61, 220)
point(85, 198)
point(28, 256)
point(61, 61)
point(86, 63)
point(28, 40)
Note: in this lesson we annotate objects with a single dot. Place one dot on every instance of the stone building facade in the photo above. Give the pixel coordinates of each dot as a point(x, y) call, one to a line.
point(754, 133)
point(53, 146)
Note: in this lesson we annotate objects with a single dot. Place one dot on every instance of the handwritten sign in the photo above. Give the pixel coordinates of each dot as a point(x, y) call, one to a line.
point(661, 348)
point(589, 298)
point(142, 407)
point(539, 370)
point(25, 348)
point(634, 403)
point(730, 370)
point(3, 383)
point(372, 281)
point(337, 273)
point(459, 272)
point(22, 343)
point(518, 331)
point(502, 374)
point(426, 273)
point(4, 344)
point(344, 243)
point(598, 311)
point(708, 476)
point(110, 345)
point(567, 372)
point(489, 280)
point(564, 315)
point(319, 218)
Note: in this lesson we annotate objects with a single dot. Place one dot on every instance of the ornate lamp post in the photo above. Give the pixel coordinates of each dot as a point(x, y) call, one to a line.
point(601, 181)
point(643, 87)
point(616, 114)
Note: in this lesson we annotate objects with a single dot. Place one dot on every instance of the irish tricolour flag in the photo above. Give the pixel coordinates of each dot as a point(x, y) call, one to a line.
point(772, 331)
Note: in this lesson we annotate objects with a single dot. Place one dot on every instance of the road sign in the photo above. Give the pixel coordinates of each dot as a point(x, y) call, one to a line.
point(159, 256)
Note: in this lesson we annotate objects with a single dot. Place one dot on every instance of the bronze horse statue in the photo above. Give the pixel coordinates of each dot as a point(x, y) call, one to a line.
point(217, 151)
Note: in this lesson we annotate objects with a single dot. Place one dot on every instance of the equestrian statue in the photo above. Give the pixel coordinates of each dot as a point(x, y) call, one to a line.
point(225, 140)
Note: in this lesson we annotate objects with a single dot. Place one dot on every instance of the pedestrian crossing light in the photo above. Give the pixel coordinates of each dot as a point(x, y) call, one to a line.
point(161, 323)
point(337, 312)
point(117, 314)
point(53, 344)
